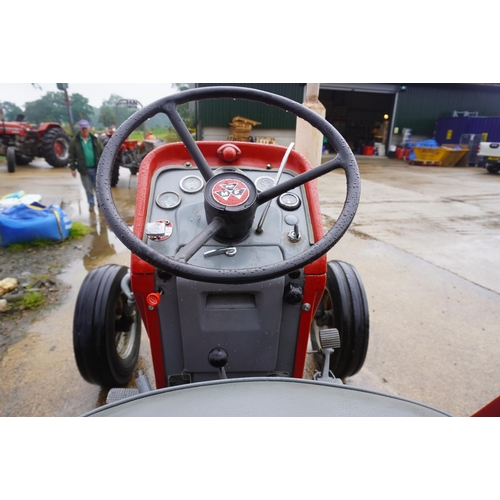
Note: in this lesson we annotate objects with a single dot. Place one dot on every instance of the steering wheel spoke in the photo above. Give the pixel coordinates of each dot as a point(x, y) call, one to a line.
point(279, 189)
point(170, 110)
point(188, 250)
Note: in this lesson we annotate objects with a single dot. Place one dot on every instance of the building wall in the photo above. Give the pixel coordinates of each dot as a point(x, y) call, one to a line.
point(420, 106)
point(220, 112)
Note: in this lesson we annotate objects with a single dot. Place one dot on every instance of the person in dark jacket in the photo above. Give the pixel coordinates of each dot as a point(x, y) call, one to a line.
point(84, 153)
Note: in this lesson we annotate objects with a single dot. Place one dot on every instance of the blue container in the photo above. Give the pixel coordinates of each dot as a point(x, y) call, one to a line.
point(22, 223)
point(467, 125)
point(450, 129)
point(486, 125)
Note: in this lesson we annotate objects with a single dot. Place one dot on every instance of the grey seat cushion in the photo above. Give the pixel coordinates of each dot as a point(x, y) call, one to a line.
point(265, 397)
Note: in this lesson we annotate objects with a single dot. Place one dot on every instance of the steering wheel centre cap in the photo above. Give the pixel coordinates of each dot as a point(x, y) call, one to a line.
point(230, 192)
point(232, 197)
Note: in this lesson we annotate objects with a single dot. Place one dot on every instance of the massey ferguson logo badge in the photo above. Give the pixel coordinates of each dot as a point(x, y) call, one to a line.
point(230, 192)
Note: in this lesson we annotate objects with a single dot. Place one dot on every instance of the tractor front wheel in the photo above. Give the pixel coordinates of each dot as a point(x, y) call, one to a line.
point(11, 159)
point(106, 328)
point(55, 147)
point(344, 306)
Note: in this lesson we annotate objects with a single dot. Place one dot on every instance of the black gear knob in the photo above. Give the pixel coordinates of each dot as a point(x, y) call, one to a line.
point(218, 358)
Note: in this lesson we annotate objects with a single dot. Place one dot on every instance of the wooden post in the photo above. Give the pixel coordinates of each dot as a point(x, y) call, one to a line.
point(308, 140)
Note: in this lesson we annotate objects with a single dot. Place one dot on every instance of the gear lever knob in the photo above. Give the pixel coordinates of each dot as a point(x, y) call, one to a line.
point(218, 358)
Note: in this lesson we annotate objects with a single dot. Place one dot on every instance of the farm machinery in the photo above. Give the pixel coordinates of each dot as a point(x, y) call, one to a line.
point(229, 276)
point(131, 151)
point(20, 142)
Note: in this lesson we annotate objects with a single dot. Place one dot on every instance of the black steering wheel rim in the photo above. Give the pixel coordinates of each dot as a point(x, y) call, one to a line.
point(167, 105)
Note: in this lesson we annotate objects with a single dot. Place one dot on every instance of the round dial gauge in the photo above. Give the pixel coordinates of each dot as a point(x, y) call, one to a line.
point(192, 184)
point(263, 183)
point(168, 200)
point(289, 201)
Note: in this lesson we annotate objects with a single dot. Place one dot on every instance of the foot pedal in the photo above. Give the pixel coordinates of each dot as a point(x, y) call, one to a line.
point(119, 393)
point(329, 338)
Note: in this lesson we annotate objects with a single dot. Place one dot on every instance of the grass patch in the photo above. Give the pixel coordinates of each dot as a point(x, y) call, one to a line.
point(31, 300)
point(78, 230)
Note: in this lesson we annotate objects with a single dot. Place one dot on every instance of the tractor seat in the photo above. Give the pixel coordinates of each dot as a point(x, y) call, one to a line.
point(264, 397)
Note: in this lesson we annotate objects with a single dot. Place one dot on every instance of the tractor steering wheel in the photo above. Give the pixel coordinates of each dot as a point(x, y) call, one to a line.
point(218, 224)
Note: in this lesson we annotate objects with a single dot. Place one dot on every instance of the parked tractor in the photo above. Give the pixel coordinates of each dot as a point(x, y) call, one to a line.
point(20, 142)
point(131, 153)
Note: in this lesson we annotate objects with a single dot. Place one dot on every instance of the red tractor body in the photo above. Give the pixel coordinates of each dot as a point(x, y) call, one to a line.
point(20, 142)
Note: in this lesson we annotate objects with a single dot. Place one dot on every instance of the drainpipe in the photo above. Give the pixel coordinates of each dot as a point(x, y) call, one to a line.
point(391, 126)
point(308, 140)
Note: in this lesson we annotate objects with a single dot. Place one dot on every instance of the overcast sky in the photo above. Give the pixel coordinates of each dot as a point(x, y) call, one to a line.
point(145, 93)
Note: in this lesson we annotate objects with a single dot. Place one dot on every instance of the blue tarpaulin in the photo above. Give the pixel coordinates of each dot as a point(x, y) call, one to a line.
point(24, 223)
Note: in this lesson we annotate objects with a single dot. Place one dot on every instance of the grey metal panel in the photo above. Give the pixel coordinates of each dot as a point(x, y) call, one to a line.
point(383, 88)
point(249, 330)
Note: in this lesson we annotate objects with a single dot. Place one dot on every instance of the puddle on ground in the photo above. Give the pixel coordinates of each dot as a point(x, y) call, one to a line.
point(40, 377)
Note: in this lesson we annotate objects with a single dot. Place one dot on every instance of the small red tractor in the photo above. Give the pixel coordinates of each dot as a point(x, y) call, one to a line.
point(131, 154)
point(20, 142)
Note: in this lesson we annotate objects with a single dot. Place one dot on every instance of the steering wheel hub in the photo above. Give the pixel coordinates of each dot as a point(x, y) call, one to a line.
point(232, 197)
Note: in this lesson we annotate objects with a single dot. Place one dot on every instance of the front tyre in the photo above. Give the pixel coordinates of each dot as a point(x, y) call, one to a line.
point(106, 330)
point(493, 169)
point(55, 147)
point(11, 159)
point(343, 306)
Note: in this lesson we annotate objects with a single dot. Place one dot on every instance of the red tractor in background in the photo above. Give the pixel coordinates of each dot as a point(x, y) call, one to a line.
point(20, 142)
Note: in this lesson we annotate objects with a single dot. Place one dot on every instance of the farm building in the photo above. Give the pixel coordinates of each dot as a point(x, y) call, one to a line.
point(363, 113)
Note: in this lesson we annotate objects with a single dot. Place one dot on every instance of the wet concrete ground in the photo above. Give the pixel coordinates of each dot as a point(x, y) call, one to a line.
point(425, 242)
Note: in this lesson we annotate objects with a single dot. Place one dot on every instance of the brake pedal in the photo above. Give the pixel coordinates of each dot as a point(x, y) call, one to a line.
point(329, 340)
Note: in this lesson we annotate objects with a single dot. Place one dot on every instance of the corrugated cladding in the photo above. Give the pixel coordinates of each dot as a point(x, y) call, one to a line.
point(219, 112)
point(449, 130)
point(422, 104)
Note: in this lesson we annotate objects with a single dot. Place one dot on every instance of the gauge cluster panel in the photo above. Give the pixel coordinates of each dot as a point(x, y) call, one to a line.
point(176, 215)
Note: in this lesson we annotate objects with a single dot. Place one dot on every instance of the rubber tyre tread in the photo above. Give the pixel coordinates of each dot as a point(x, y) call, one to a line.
point(360, 318)
point(47, 146)
point(93, 341)
point(11, 159)
point(493, 169)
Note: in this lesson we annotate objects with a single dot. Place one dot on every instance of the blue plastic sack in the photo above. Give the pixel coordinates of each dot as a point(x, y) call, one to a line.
point(24, 223)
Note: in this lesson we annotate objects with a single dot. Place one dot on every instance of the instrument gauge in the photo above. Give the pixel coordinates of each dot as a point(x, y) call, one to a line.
point(264, 182)
point(168, 200)
point(192, 184)
point(289, 201)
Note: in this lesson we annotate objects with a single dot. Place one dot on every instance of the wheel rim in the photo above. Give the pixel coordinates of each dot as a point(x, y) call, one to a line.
point(326, 320)
point(124, 340)
point(61, 149)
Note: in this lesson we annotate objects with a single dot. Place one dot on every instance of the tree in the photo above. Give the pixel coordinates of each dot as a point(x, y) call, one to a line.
point(107, 110)
point(52, 108)
point(80, 107)
point(10, 111)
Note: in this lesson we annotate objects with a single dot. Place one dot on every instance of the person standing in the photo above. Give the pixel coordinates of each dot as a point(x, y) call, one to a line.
point(84, 153)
